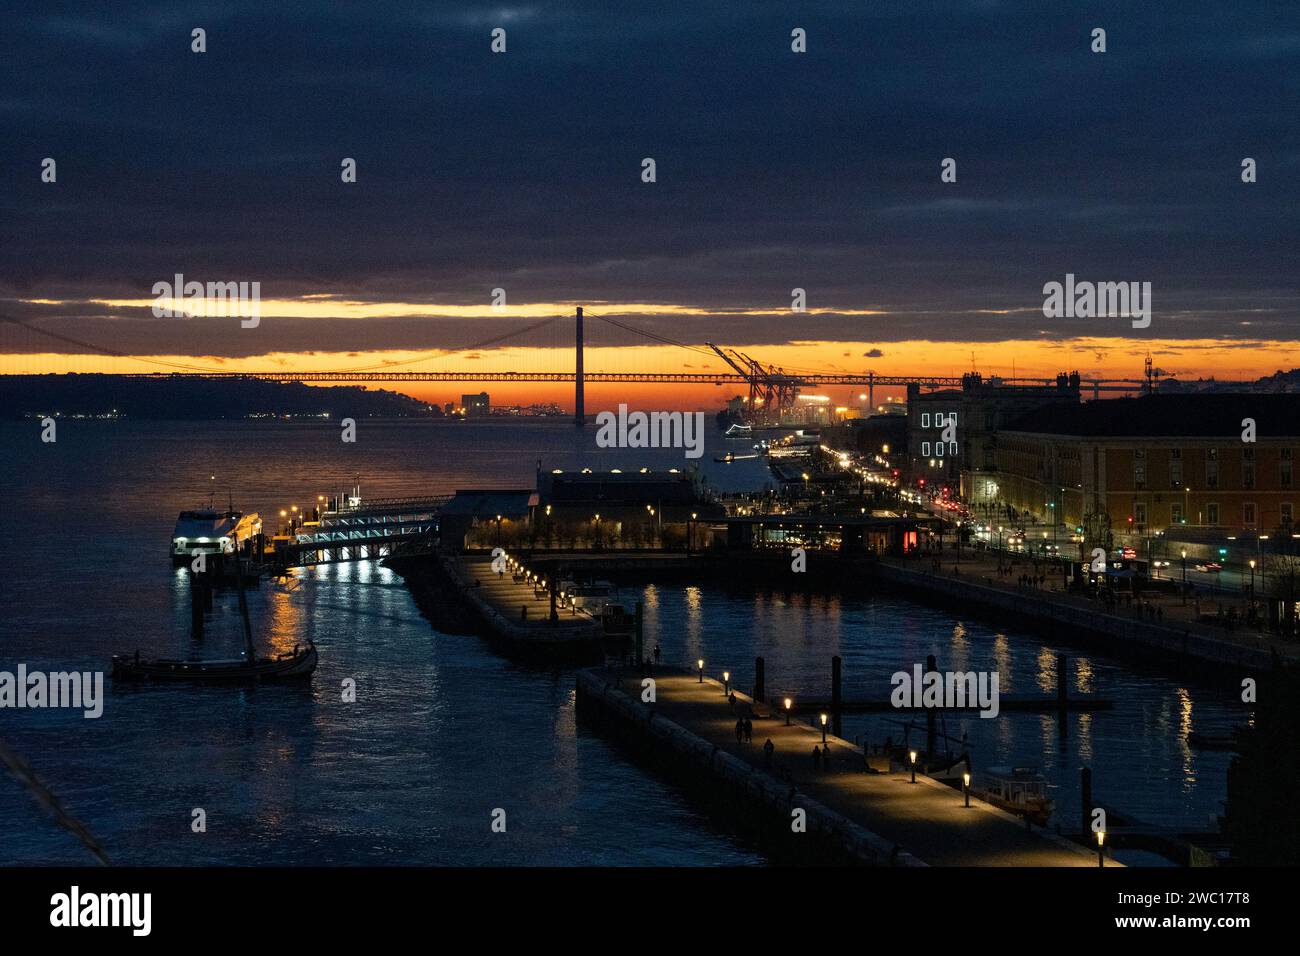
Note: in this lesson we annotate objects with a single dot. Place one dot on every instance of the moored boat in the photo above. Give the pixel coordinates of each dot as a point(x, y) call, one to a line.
point(297, 664)
point(1018, 790)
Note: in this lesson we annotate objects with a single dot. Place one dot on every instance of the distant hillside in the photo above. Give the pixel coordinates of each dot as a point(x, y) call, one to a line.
point(23, 396)
point(1287, 382)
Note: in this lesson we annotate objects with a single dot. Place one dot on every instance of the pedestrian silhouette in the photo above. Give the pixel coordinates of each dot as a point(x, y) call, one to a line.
point(740, 730)
point(768, 749)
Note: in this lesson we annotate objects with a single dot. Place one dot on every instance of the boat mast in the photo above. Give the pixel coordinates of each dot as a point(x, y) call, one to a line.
point(243, 603)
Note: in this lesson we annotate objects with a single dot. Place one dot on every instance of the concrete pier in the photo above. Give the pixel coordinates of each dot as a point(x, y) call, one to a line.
point(512, 612)
point(852, 816)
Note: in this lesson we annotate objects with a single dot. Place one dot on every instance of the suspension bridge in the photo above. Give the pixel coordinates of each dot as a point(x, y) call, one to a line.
point(772, 387)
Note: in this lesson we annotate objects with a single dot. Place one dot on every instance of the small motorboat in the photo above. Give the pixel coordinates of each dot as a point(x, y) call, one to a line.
point(1018, 790)
point(737, 430)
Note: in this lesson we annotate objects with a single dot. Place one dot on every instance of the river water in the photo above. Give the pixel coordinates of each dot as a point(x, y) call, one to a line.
point(443, 731)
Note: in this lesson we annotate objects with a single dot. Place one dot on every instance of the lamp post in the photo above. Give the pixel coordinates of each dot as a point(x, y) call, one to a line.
point(965, 786)
point(1252, 579)
point(788, 703)
point(1101, 839)
point(726, 683)
point(823, 729)
point(1184, 577)
point(912, 755)
point(700, 665)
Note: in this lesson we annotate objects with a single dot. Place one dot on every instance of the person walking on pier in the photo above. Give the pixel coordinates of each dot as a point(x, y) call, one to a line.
point(768, 749)
point(656, 653)
point(749, 731)
point(740, 730)
point(817, 759)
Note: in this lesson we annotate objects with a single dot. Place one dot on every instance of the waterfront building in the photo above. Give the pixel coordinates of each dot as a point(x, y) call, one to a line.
point(486, 518)
point(967, 457)
point(1156, 464)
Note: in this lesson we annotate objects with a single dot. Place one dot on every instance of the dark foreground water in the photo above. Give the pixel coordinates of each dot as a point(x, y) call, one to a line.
point(443, 731)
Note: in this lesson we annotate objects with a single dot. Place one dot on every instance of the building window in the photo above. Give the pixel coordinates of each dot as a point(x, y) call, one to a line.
point(1176, 469)
point(1285, 476)
point(1248, 514)
point(1175, 514)
point(925, 419)
point(1140, 512)
point(1248, 475)
point(1212, 513)
point(925, 449)
point(1139, 469)
point(952, 448)
point(1212, 470)
point(1285, 512)
point(1248, 454)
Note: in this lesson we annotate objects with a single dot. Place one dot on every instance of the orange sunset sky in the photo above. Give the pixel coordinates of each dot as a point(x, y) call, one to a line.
point(1043, 354)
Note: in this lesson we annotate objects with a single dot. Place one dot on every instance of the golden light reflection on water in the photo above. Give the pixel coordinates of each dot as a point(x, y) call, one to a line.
point(1184, 728)
point(285, 624)
point(960, 647)
point(1083, 728)
point(1002, 661)
point(1046, 676)
point(1084, 675)
point(694, 620)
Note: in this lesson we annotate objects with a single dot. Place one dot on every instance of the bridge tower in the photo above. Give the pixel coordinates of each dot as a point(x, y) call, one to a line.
point(579, 411)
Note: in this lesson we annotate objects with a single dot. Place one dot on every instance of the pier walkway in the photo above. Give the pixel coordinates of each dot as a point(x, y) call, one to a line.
point(926, 820)
point(517, 611)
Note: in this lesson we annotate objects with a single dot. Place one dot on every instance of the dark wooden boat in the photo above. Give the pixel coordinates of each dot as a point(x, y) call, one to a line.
point(295, 665)
point(298, 664)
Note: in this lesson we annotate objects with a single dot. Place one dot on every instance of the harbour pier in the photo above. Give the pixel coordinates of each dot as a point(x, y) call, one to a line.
point(853, 814)
point(517, 613)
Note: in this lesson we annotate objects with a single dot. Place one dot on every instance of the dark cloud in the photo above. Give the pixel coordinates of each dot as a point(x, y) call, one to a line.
point(776, 170)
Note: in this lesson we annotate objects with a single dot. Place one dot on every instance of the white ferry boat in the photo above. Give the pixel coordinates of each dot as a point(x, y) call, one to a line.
point(211, 532)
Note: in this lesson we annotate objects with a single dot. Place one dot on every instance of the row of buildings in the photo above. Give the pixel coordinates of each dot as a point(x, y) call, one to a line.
point(1142, 465)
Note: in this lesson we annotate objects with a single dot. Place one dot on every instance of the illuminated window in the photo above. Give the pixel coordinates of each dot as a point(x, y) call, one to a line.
point(925, 449)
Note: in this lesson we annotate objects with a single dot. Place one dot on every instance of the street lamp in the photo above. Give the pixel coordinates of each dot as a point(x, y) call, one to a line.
point(1184, 577)
point(1101, 839)
point(965, 786)
point(788, 703)
point(1252, 579)
point(913, 757)
point(700, 665)
point(726, 683)
point(823, 728)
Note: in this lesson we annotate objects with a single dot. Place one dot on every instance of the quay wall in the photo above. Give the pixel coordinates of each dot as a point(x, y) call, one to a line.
point(1166, 642)
point(752, 799)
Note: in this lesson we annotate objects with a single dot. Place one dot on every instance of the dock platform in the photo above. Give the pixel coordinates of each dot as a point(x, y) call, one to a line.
point(516, 613)
point(876, 818)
